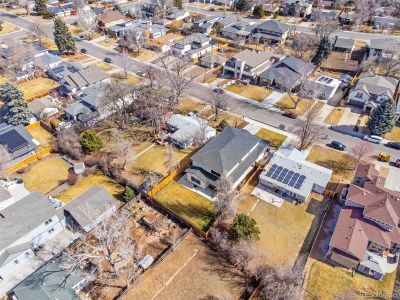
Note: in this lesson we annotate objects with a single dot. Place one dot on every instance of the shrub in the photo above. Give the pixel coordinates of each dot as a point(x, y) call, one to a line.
point(223, 124)
point(129, 194)
point(72, 178)
point(54, 123)
point(91, 142)
point(244, 227)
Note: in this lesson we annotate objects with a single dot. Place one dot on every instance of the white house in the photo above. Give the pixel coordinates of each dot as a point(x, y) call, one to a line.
point(371, 90)
point(323, 87)
point(193, 46)
point(292, 176)
point(186, 129)
point(25, 225)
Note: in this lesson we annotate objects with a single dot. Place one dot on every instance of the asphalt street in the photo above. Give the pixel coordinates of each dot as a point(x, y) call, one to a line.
point(246, 108)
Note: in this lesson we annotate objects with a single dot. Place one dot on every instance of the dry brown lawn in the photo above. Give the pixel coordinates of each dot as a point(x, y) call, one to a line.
point(232, 120)
point(108, 42)
point(287, 104)
point(187, 105)
point(37, 87)
point(334, 116)
point(8, 28)
point(192, 271)
point(394, 135)
point(253, 92)
point(275, 138)
point(44, 137)
point(144, 54)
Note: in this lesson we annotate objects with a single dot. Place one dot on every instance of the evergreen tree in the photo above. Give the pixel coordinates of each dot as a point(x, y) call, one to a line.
point(9, 92)
point(62, 37)
point(323, 51)
point(179, 4)
point(383, 118)
point(244, 227)
point(128, 194)
point(91, 141)
point(243, 5)
point(258, 11)
point(18, 112)
point(40, 6)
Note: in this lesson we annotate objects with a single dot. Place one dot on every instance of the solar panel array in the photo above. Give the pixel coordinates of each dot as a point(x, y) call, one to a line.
point(286, 176)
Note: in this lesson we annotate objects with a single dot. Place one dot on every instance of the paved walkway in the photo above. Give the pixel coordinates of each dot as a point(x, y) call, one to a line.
point(273, 98)
point(267, 197)
point(324, 112)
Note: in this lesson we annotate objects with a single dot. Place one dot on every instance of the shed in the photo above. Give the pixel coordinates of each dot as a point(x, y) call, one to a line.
point(146, 262)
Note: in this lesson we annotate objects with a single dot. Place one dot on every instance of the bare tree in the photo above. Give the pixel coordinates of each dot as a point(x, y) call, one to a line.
point(325, 26)
point(386, 66)
point(123, 151)
point(153, 75)
point(175, 75)
point(4, 159)
point(302, 44)
point(38, 32)
point(109, 248)
point(116, 100)
point(201, 136)
point(68, 142)
point(366, 9)
point(162, 7)
point(171, 161)
point(218, 102)
point(133, 40)
point(87, 19)
point(125, 61)
point(307, 129)
point(20, 59)
point(361, 151)
point(224, 195)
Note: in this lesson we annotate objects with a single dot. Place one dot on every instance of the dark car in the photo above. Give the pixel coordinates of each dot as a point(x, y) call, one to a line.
point(218, 91)
point(83, 50)
point(394, 145)
point(108, 60)
point(289, 114)
point(337, 145)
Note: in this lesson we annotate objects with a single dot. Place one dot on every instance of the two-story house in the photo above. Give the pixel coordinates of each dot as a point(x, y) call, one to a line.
point(110, 18)
point(270, 32)
point(193, 46)
point(205, 25)
point(231, 154)
point(248, 64)
point(25, 226)
point(367, 235)
point(371, 90)
point(239, 30)
point(296, 8)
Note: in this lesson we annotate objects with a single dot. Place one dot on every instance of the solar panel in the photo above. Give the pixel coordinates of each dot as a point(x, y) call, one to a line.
point(13, 141)
point(282, 175)
point(271, 170)
point(300, 182)
point(294, 179)
point(288, 176)
point(277, 172)
point(329, 80)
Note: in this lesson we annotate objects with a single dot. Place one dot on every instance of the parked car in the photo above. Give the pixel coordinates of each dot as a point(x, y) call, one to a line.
point(141, 73)
point(218, 91)
point(337, 145)
point(108, 60)
point(83, 50)
point(193, 114)
point(373, 139)
point(289, 114)
point(394, 145)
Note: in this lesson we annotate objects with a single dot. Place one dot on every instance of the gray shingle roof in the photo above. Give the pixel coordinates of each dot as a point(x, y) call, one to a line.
point(17, 140)
point(24, 215)
point(274, 26)
point(226, 150)
point(376, 84)
point(387, 44)
point(344, 43)
point(84, 77)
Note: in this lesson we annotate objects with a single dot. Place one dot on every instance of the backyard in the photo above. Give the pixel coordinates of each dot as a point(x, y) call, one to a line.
point(253, 92)
point(37, 87)
point(44, 137)
point(338, 162)
point(192, 271)
point(189, 205)
point(274, 137)
point(96, 179)
point(46, 174)
point(287, 104)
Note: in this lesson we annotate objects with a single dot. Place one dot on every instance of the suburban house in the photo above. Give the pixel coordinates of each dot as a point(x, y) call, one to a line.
point(371, 90)
point(88, 209)
point(186, 129)
point(211, 60)
point(119, 30)
point(341, 44)
point(51, 282)
point(367, 236)
point(110, 18)
point(17, 140)
point(296, 8)
point(239, 30)
point(349, 18)
point(288, 70)
point(193, 46)
point(44, 107)
point(385, 48)
point(323, 13)
point(22, 231)
point(386, 22)
point(290, 175)
point(205, 25)
point(79, 80)
point(231, 154)
point(225, 21)
point(90, 107)
point(47, 61)
point(161, 44)
point(63, 69)
point(270, 32)
point(177, 15)
point(248, 64)
point(61, 9)
point(324, 87)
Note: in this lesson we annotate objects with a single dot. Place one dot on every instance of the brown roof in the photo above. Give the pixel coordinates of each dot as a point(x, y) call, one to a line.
point(344, 259)
point(367, 170)
point(110, 16)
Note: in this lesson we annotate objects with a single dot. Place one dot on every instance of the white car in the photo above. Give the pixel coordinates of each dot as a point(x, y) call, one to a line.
point(373, 139)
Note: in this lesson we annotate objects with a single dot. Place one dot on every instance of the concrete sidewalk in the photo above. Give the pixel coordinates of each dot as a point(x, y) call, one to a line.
point(349, 117)
point(273, 98)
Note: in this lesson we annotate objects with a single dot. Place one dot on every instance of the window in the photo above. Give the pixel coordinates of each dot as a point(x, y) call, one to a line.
point(16, 262)
point(51, 230)
point(47, 222)
point(195, 180)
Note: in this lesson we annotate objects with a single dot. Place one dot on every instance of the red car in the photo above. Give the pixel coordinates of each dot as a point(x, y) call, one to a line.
point(290, 115)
